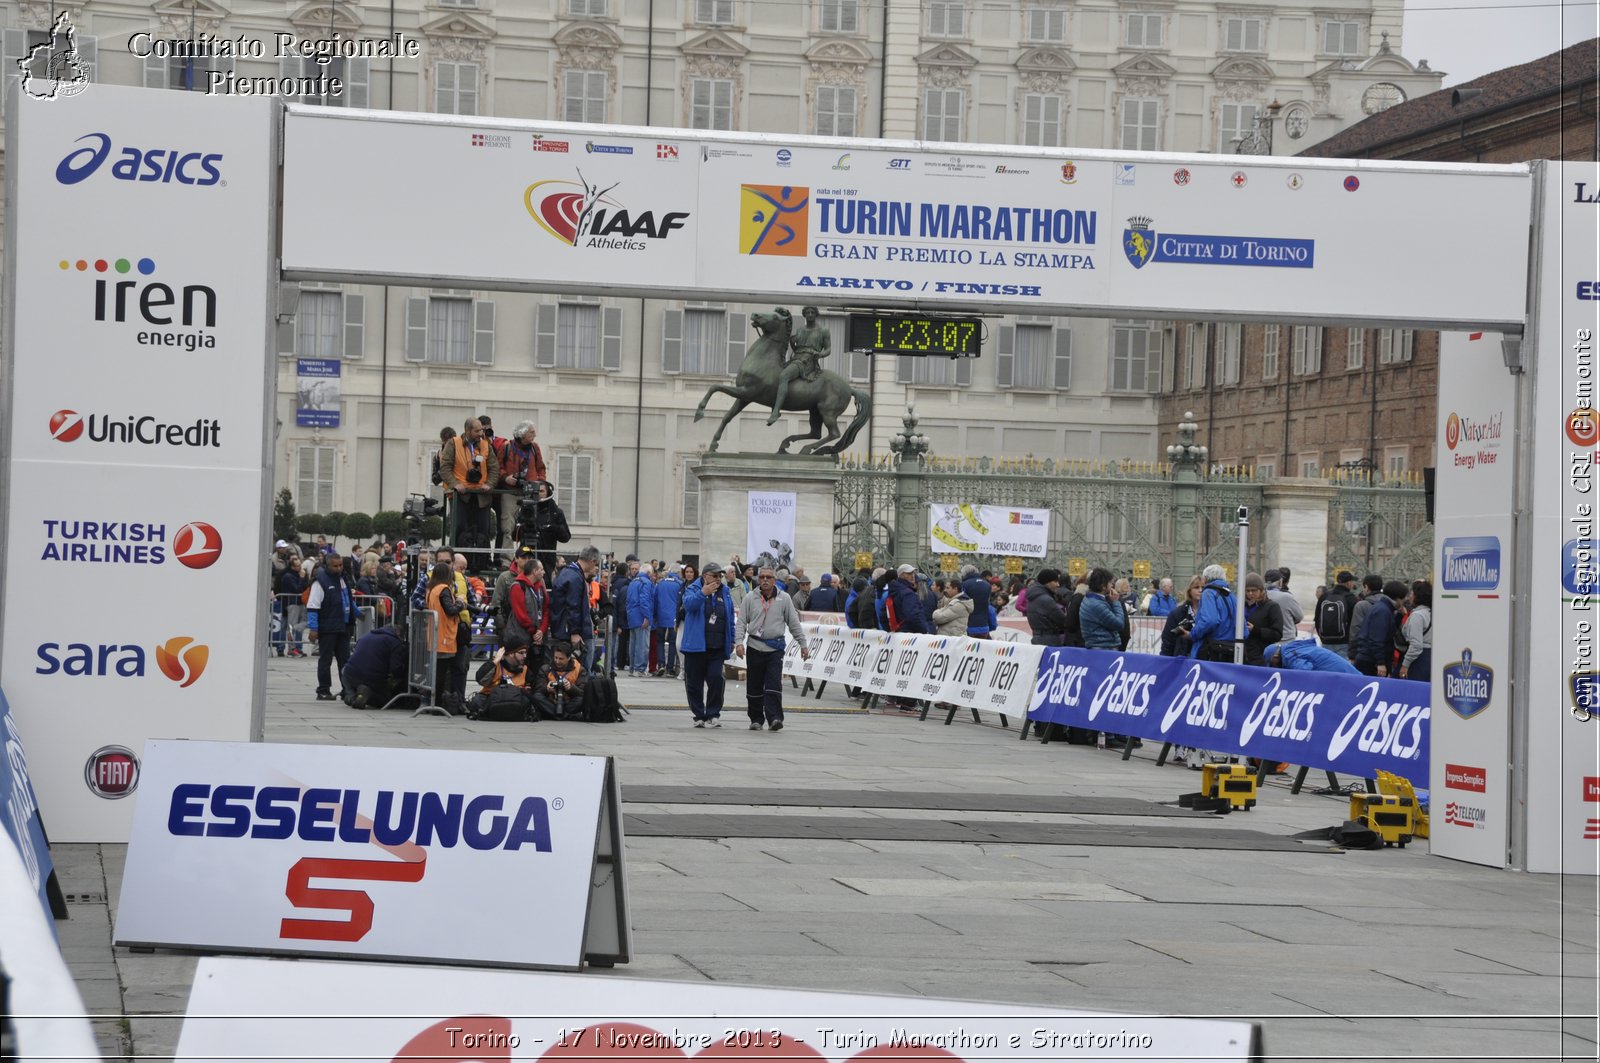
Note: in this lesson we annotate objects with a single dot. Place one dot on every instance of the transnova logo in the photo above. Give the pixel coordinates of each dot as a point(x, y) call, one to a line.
point(182, 660)
point(145, 165)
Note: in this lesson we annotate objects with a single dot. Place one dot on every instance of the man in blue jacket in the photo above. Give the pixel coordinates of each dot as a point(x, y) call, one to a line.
point(1374, 648)
point(669, 595)
point(331, 610)
point(906, 603)
point(571, 622)
point(641, 614)
point(974, 586)
point(377, 669)
point(1304, 655)
point(1214, 619)
point(708, 627)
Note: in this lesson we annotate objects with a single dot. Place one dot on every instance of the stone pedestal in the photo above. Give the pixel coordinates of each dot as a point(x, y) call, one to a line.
point(725, 483)
point(1296, 534)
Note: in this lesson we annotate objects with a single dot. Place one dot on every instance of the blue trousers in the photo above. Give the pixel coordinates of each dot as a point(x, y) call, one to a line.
point(703, 682)
point(764, 694)
point(639, 649)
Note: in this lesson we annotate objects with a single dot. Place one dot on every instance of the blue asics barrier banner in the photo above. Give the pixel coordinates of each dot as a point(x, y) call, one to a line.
point(19, 811)
point(1350, 724)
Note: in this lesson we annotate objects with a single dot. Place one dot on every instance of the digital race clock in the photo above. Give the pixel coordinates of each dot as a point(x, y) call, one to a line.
point(951, 337)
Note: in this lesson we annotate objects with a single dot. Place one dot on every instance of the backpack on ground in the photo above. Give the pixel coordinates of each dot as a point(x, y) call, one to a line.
point(1333, 620)
point(600, 701)
point(506, 703)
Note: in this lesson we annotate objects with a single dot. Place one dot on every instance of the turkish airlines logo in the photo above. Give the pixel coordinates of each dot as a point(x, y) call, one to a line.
point(197, 545)
point(66, 425)
point(182, 660)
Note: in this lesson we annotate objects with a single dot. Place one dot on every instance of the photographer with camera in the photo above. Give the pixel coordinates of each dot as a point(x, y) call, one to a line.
point(559, 695)
point(540, 522)
point(470, 471)
point(521, 464)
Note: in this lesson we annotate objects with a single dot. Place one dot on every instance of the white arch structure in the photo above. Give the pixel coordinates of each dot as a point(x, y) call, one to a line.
point(205, 204)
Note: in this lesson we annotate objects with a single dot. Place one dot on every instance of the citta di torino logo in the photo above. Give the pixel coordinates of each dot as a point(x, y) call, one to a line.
point(68, 426)
point(196, 545)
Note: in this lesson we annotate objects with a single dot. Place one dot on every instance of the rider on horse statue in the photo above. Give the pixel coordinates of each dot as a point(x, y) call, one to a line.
point(811, 344)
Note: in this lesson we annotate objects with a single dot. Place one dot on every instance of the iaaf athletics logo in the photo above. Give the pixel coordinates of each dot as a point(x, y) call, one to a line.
point(582, 214)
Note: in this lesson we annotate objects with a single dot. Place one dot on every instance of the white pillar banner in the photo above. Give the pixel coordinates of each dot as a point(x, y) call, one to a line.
point(770, 537)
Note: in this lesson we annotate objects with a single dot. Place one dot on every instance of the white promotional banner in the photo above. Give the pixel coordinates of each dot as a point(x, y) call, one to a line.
point(1563, 803)
point(804, 219)
point(137, 433)
point(1474, 496)
point(280, 1010)
point(44, 1013)
point(963, 528)
point(387, 853)
point(974, 673)
point(769, 535)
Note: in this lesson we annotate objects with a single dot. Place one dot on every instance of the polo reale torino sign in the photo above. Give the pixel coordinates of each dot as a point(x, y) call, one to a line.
point(364, 852)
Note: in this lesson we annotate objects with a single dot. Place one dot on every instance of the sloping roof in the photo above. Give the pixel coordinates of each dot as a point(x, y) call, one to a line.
point(1570, 66)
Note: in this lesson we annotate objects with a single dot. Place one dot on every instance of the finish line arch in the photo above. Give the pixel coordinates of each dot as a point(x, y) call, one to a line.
point(225, 198)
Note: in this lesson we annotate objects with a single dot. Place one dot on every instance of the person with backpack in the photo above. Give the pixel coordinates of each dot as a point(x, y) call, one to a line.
point(1335, 613)
point(1211, 638)
point(1415, 641)
point(503, 681)
point(559, 693)
point(906, 609)
point(530, 607)
point(1374, 650)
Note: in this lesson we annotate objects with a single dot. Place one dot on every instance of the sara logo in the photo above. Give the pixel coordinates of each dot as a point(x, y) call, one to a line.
point(774, 220)
point(577, 212)
point(1468, 686)
point(197, 545)
point(181, 659)
point(152, 165)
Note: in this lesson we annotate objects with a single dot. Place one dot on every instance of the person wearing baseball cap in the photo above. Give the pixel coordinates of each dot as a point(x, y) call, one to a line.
point(825, 599)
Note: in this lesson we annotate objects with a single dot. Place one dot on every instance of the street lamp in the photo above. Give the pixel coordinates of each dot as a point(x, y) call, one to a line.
point(909, 444)
point(1185, 454)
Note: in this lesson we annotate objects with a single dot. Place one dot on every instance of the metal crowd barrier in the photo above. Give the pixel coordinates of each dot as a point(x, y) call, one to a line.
point(422, 670)
point(286, 623)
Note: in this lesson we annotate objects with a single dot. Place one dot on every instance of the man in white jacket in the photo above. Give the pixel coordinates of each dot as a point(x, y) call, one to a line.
point(765, 618)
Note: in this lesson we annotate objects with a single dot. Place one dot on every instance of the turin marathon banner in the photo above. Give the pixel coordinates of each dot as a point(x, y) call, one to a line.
point(1353, 725)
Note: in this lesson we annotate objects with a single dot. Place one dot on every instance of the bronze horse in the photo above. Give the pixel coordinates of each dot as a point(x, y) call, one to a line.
point(826, 397)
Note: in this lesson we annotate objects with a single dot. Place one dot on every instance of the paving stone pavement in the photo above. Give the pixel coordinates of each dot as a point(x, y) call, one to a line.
point(1384, 954)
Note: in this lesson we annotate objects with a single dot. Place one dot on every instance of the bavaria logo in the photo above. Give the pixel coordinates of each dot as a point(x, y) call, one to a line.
point(180, 659)
point(1471, 563)
point(112, 772)
point(579, 213)
point(153, 165)
point(1468, 686)
point(197, 545)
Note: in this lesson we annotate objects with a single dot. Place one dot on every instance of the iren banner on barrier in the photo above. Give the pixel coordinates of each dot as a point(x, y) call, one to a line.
point(973, 673)
point(1353, 725)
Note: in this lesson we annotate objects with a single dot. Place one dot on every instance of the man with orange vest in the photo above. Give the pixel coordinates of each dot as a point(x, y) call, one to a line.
point(509, 669)
point(470, 472)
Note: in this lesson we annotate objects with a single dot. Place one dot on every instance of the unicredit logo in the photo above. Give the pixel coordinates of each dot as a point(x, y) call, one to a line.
point(197, 545)
point(67, 426)
point(153, 165)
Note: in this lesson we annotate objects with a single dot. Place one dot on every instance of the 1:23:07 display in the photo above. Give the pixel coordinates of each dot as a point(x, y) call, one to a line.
point(915, 334)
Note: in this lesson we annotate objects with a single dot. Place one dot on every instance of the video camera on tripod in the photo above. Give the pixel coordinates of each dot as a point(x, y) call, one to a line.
point(416, 510)
point(531, 516)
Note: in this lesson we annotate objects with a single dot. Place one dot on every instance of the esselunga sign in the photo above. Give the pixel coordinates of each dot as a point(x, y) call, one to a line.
point(300, 849)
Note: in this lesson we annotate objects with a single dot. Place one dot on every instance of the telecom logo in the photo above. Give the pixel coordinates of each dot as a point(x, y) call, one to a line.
point(148, 165)
point(68, 426)
point(581, 214)
point(1459, 815)
point(774, 220)
point(1471, 563)
point(119, 301)
point(112, 772)
point(197, 545)
point(1468, 686)
point(181, 659)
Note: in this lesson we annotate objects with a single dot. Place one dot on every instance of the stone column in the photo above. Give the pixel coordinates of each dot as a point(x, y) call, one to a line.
point(725, 483)
point(1296, 533)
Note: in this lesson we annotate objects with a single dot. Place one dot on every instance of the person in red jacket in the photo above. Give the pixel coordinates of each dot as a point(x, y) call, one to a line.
point(530, 607)
point(521, 461)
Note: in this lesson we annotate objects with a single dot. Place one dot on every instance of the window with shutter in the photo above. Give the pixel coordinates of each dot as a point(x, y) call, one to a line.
point(1144, 30)
point(1341, 38)
point(449, 331)
point(544, 336)
point(587, 8)
point(575, 487)
point(455, 88)
point(1355, 348)
point(1242, 34)
point(1135, 356)
point(691, 494)
point(705, 341)
point(584, 95)
point(1230, 339)
point(578, 336)
point(836, 111)
point(355, 325)
point(611, 339)
point(1141, 125)
point(318, 318)
point(672, 341)
point(1033, 354)
point(943, 110)
point(1063, 374)
point(840, 16)
point(1047, 24)
point(711, 103)
point(1238, 120)
point(714, 12)
point(314, 485)
point(1041, 120)
point(483, 332)
point(1271, 337)
point(946, 18)
point(1005, 356)
point(416, 330)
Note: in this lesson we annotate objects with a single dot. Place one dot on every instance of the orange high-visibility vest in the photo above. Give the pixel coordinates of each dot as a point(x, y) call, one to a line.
point(446, 641)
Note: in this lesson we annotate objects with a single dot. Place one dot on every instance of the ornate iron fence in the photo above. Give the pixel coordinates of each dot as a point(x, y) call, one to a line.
point(1379, 526)
point(1115, 514)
